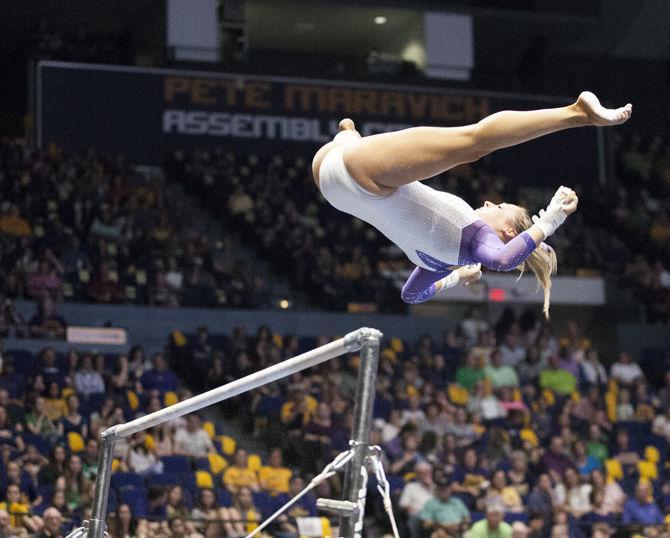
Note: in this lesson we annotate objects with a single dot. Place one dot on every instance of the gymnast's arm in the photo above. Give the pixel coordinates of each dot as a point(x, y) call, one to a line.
point(423, 284)
point(489, 250)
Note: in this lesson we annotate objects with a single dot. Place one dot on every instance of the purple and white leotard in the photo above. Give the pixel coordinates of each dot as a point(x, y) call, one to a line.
point(436, 230)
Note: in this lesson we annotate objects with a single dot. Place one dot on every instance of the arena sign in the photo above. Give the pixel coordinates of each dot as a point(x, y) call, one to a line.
point(145, 112)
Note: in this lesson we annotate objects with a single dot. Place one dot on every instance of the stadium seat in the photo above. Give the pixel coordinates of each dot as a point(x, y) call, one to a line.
point(254, 462)
point(75, 442)
point(170, 398)
point(202, 464)
point(124, 480)
point(40, 443)
point(209, 427)
point(217, 463)
point(204, 480)
point(177, 464)
point(223, 497)
point(136, 498)
point(228, 445)
point(263, 501)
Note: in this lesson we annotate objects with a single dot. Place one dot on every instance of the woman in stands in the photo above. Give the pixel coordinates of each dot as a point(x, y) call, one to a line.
point(377, 179)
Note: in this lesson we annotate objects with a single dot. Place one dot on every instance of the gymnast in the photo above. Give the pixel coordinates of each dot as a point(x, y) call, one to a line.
point(378, 179)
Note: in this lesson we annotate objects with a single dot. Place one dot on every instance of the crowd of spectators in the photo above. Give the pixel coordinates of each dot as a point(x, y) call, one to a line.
point(92, 228)
point(509, 429)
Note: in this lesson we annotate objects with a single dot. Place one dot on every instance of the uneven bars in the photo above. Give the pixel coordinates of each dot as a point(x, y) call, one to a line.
point(351, 342)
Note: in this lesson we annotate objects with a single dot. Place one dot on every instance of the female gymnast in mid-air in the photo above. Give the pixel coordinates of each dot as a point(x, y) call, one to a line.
point(377, 179)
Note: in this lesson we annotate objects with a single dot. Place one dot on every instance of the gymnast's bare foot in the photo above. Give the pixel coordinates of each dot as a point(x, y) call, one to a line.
point(597, 114)
point(347, 125)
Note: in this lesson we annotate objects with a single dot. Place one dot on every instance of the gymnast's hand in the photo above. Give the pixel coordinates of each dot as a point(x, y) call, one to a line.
point(470, 273)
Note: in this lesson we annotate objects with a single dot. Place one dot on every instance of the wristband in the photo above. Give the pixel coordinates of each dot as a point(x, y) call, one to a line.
point(450, 280)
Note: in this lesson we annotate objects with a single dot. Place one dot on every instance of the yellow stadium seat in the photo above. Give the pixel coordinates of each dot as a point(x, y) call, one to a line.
point(457, 395)
point(528, 435)
point(389, 354)
point(217, 463)
point(647, 470)
point(67, 392)
point(575, 396)
point(116, 463)
point(75, 442)
point(133, 400)
point(278, 340)
point(549, 396)
point(652, 454)
point(170, 398)
point(228, 445)
point(209, 427)
point(610, 405)
point(204, 480)
point(149, 441)
point(178, 338)
point(254, 462)
point(614, 469)
point(516, 395)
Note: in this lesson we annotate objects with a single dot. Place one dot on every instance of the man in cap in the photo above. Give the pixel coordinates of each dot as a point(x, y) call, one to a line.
point(444, 515)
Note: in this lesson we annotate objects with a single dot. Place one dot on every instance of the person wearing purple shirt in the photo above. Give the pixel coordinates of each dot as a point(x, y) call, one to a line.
point(569, 363)
point(554, 459)
point(642, 509)
point(160, 377)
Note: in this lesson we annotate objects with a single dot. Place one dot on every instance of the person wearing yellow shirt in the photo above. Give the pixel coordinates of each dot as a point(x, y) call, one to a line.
point(298, 410)
point(239, 475)
point(274, 477)
point(20, 517)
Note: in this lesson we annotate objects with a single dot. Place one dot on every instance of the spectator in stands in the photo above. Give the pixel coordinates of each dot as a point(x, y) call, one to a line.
point(72, 421)
point(207, 514)
point(598, 512)
point(592, 372)
point(470, 479)
point(444, 515)
point(193, 440)
point(415, 495)
point(274, 477)
point(20, 517)
point(175, 505)
point(13, 382)
point(54, 403)
point(242, 517)
point(512, 353)
point(5, 525)
point(47, 323)
point(140, 459)
point(53, 522)
point(90, 462)
point(557, 379)
point(46, 281)
point(11, 319)
point(56, 467)
point(493, 525)
point(239, 475)
point(74, 483)
point(160, 377)
point(86, 380)
point(468, 375)
point(642, 509)
point(542, 498)
point(572, 495)
point(501, 495)
point(625, 371)
point(499, 374)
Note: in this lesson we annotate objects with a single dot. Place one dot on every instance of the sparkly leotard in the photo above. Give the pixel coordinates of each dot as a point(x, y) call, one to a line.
point(436, 230)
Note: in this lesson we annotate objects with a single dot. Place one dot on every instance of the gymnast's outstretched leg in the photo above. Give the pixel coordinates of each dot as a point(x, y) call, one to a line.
point(398, 158)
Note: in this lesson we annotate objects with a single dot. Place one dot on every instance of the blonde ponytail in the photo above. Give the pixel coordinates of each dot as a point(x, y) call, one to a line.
point(542, 262)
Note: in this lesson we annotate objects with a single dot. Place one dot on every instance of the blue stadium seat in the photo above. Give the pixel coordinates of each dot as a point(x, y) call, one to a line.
point(122, 480)
point(263, 501)
point(112, 501)
point(223, 497)
point(24, 361)
point(40, 443)
point(202, 464)
point(177, 464)
point(514, 517)
point(136, 498)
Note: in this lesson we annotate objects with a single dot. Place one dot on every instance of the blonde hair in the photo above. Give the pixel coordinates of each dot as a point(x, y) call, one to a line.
point(542, 262)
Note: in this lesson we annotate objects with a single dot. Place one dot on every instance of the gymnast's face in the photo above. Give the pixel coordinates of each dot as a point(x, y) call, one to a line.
point(500, 217)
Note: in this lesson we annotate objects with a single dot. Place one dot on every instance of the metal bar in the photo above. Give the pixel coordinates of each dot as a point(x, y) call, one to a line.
point(351, 342)
point(355, 478)
point(96, 525)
